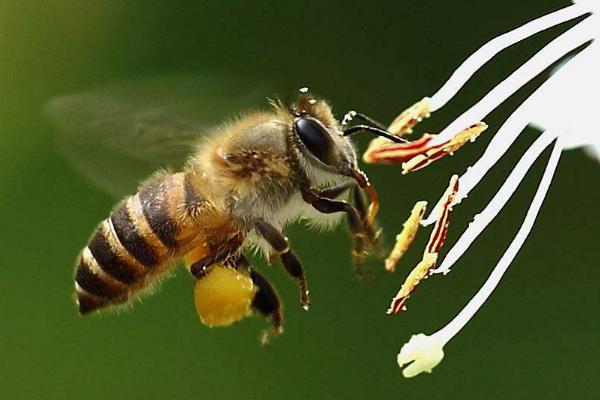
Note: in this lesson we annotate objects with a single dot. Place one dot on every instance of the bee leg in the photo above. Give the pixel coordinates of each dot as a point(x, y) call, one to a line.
point(200, 268)
point(290, 261)
point(355, 223)
point(360, 204)
point(266, 301)
point(362, 207)
point(336, 191)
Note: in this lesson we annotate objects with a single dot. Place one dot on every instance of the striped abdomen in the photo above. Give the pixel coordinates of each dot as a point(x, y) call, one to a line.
point(142, 236)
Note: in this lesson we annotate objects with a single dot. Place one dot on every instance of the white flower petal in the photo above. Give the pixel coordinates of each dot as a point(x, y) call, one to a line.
point(571, 95)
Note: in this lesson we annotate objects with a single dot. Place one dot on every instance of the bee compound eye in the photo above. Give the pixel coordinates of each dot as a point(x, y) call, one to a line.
point(316, 139)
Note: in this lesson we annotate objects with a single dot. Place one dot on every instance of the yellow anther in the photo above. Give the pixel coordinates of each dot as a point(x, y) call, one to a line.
point(465, 136)
point(405, 238)
point(436, 152)
point(403, 123)
point(413, 279)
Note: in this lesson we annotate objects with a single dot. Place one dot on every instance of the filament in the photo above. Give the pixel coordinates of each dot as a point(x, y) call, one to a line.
point(490, 284)
point(482, 220)
point(571, 39)
point(495, 46)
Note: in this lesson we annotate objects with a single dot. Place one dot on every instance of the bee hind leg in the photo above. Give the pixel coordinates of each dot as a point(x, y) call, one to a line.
point(266, 302)
point(290, 261)
point(199, 267)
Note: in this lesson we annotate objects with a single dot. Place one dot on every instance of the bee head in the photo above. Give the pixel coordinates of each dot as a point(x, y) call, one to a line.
point(319, 138)
point(326, 146)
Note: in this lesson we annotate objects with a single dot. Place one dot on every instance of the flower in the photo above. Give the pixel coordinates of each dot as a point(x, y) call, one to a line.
point(561, 107)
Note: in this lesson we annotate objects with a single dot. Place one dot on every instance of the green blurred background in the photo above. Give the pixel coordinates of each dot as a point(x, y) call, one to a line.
point(535, 338)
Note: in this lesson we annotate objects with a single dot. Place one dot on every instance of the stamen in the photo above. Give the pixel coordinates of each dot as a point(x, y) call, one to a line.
point(420, 272)
point(436, 240)
point(558, 105)
point(426, 352)
point(420, 153)
point(400, 126)
point(440, 230)
point(435, 152)
point(405, 238)
point(493, 208)
point(393, 153)
point(504, 138)
point(403, 123)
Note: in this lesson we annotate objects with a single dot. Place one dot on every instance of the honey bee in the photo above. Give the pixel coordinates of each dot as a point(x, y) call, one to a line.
point(238, 189)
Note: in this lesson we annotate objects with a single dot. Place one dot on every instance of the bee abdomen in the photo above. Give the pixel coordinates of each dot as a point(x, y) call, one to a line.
point(154, 200)
point(118, 268)
point(95, 287)
point(133, 244)
point(132, 232)
point(120, 256)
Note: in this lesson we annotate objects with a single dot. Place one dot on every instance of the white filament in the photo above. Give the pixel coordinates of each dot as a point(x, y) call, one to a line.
point(567, 98)
point(423, 352)
point(520, 118)
point(496, 45)
point(490, 284)
point(482, 220)
point(552, 52)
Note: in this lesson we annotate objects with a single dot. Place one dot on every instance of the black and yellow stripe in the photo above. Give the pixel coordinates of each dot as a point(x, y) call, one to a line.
point(192, 199)
point(129, 230)
point(154, 200)
point(95, 287)
point(142, 235)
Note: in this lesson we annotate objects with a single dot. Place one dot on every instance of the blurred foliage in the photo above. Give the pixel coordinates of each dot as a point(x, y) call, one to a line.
point(536, 337)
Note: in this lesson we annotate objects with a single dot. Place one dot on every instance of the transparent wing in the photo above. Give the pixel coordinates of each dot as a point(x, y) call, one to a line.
point(118, 135)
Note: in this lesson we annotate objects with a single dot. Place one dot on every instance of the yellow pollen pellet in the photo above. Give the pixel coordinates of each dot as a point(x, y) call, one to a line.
point(223, 296)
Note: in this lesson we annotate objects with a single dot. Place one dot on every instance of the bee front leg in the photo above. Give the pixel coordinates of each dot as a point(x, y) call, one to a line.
point(336, 191)
point(362, 237)
point(360, 203)
point(290, 261)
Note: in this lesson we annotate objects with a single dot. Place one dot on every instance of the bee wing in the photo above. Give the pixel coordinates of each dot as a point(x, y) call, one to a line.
point(122, 133)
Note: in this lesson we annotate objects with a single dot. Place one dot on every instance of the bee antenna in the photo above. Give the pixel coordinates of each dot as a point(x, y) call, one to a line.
point(374, 130)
